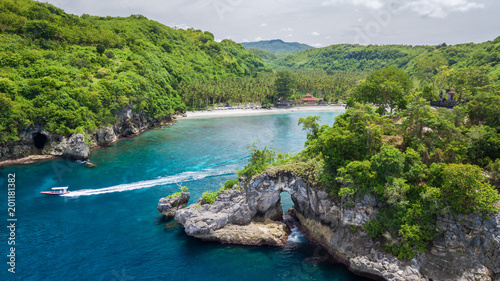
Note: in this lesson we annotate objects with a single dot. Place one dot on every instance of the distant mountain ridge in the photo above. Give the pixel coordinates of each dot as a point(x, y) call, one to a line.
point(277, 46)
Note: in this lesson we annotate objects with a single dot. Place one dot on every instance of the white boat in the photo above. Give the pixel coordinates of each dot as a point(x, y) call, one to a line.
point(56, 191)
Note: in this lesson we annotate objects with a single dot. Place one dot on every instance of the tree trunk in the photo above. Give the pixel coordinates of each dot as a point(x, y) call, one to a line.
point(433, 89)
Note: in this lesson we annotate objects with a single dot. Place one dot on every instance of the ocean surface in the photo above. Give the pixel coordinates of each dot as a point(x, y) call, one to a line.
point(109, 228)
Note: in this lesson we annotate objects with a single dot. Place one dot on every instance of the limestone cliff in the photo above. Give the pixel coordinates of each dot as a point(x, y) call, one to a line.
point(36, 140)
point(468, 247)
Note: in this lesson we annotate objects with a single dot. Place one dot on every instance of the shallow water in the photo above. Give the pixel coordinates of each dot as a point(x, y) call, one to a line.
point(109, 229)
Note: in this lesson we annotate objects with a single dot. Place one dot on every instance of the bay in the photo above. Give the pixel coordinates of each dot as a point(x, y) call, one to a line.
point(109, 229)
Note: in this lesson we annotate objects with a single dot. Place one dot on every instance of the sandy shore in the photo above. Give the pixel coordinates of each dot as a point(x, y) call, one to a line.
point(246, 112)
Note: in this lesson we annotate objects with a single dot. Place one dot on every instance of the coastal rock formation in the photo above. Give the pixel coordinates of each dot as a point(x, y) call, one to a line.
point(105, 136)
point(468, 247)
point(76, 148)
point(169, 206)
point(230, 219)
point(36, 140)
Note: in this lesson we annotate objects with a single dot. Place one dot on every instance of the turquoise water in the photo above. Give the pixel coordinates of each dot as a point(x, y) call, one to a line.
point(110, 229)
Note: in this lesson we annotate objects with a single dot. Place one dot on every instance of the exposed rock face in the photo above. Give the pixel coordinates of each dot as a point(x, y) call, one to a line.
point(467, 249)
point(36, 140)
point(255, 233)
point(230, 220)
point(169, 206)
point(105, 136)
point(76, 148)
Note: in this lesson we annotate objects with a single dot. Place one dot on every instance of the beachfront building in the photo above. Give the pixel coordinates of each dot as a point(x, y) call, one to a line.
point(309, 99)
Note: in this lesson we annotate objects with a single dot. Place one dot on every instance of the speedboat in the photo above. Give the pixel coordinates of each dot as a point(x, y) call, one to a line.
point(56, 191)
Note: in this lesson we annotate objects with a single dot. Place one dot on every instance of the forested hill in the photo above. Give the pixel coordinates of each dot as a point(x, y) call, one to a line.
point(277, 46)
point(367, 58)
point(72, 73)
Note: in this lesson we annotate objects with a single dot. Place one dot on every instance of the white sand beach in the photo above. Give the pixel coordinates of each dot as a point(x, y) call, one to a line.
point(227, 112)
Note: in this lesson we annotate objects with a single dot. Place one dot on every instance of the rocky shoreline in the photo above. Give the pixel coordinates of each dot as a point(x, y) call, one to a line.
point(468, 247)
point(37, 144)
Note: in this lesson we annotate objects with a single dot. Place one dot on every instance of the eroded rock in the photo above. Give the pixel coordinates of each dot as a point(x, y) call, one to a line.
point(169, 206)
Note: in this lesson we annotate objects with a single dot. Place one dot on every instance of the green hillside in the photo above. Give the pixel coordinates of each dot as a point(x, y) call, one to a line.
point(72, 73)
point(264, 55)
point(367, 58)
point(277, 46)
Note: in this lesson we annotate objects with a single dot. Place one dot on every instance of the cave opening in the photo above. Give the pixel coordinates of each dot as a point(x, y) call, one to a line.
point(39, 140)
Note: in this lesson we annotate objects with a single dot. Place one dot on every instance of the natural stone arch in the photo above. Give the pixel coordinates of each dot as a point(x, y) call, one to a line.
point(263, 195)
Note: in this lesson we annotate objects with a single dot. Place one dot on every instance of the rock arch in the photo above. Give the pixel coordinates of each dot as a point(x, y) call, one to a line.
point(263, 195)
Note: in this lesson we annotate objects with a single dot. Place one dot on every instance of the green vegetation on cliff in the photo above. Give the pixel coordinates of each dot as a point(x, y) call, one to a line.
point(73, 73)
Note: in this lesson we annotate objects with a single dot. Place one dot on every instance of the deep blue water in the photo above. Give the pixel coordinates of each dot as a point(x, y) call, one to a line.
point(111, 229)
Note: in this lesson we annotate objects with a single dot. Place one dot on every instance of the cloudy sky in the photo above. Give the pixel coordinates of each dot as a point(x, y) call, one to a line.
point(318, 23)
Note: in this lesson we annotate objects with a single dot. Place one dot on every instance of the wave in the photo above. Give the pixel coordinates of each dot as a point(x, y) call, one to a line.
point(182, 177)
point(296, 236)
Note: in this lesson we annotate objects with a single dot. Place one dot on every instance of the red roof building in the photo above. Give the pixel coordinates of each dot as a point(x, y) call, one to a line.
point(309, 99)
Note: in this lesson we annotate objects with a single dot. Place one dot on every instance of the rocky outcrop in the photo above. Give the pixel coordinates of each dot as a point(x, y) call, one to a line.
point(169, 206)
point(36, 140)
point(467, 249)
point(255, 233)
point(105, 136)
point(230, 219)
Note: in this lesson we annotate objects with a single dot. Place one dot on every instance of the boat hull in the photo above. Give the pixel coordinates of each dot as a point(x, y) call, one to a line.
point(53, 193)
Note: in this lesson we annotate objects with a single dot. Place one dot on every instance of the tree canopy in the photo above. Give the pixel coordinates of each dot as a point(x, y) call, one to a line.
point(387, 87)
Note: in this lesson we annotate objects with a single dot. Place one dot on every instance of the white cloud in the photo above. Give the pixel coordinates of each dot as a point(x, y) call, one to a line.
point(441, 8)
point(287, 29)
point(258, 38)
point(372, 4)
point(314, 33)
point(318, 45)
point(429, 8)
point(263, 24)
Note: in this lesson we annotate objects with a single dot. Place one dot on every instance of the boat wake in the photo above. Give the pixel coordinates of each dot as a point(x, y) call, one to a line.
point(182, 177)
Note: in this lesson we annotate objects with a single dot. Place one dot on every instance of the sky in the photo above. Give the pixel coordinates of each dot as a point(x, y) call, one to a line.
point(318, 23)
